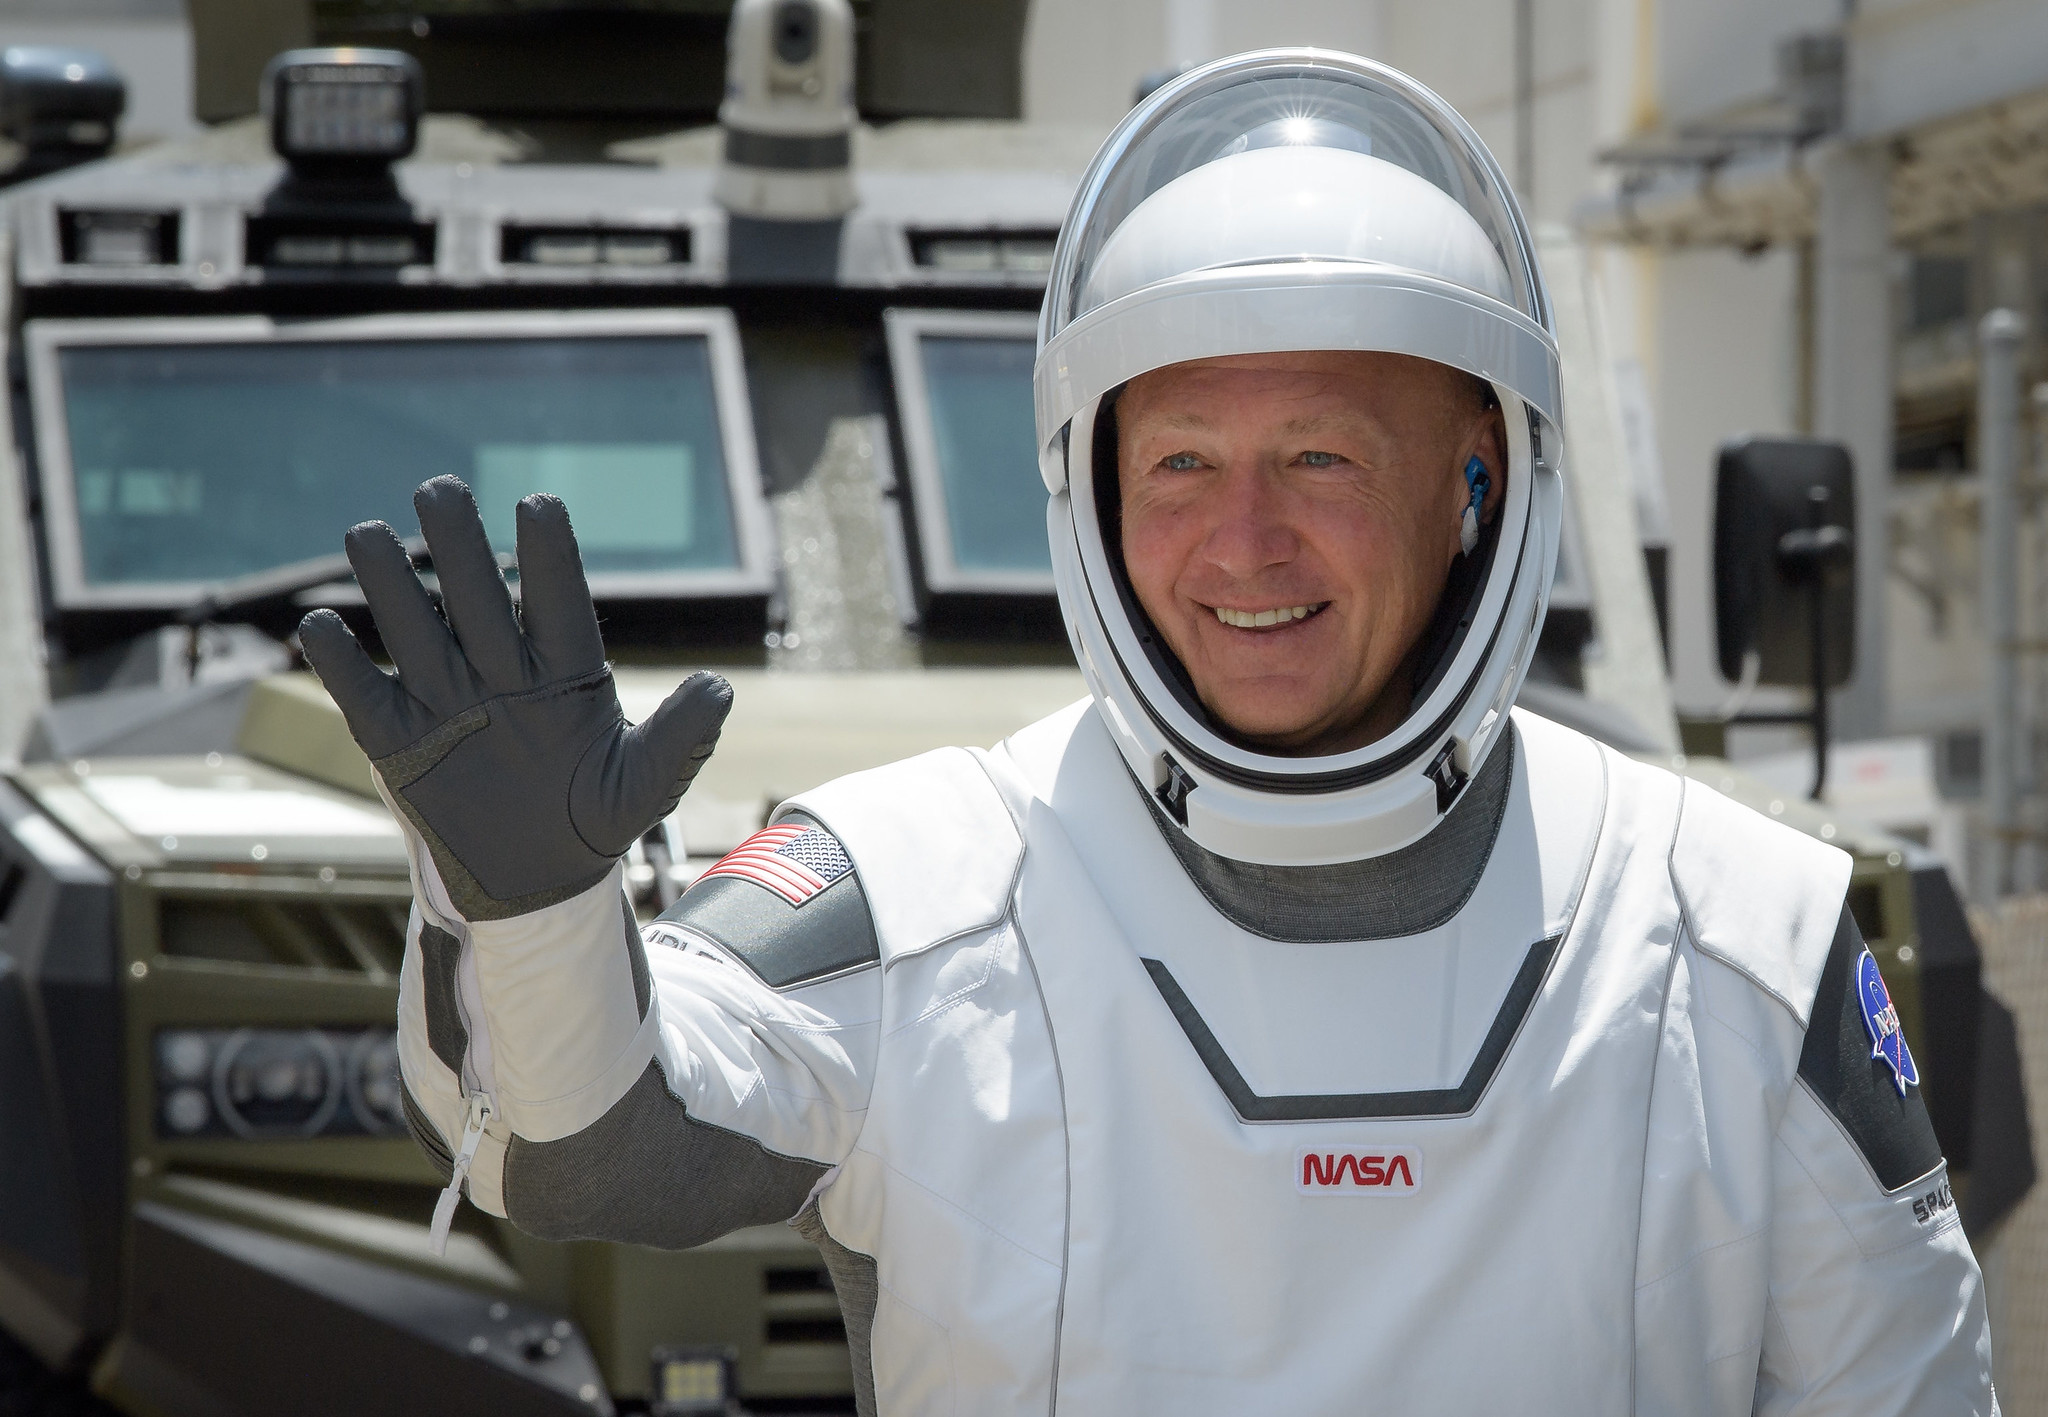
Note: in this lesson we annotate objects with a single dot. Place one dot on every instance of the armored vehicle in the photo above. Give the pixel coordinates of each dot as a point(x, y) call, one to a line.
point(770, 336)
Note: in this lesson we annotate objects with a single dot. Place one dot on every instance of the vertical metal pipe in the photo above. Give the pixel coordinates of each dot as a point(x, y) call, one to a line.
point(1999, 335)
point(1817, 637)
point(1853, 393)
point(1525, 105)
point(2030, 871)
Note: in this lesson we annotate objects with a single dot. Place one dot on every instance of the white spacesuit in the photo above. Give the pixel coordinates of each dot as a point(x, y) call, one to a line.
point(1126, 1069)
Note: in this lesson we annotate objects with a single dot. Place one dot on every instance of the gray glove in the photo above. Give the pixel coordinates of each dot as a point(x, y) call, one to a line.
point(503, 745)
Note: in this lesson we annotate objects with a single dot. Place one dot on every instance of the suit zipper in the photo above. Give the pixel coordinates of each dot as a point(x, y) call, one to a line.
point(481, 1109)
point(477, 1082)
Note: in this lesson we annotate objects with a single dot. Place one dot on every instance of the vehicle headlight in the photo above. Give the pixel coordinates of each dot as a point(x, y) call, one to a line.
point(277, 1084)
point(269, 1083)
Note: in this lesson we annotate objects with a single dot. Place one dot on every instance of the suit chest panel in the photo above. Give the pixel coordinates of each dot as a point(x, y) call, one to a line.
point(1214, 1260)
point(1383, 1015)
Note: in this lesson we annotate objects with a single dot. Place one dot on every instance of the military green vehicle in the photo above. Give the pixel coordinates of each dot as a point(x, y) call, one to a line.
point(771, 340)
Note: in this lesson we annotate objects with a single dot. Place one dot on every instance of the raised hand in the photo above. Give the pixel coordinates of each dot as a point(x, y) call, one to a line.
point(502, 742)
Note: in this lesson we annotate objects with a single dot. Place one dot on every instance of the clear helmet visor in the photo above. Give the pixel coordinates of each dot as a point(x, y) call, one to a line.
point(1293, 154)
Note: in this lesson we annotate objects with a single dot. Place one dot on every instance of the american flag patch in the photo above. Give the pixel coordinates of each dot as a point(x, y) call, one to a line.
point(796, 861)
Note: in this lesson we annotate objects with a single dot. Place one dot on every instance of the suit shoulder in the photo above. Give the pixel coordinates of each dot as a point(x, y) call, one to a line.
point(932, 841)
point(1758, 895)
point(785, 903)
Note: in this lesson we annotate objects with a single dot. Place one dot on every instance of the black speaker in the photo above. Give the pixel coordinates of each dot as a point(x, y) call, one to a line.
point(1784, 513)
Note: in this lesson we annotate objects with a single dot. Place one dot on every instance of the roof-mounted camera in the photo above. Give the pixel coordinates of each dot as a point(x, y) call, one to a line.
point(58, 107)
point(342, 117)
point(788, 112)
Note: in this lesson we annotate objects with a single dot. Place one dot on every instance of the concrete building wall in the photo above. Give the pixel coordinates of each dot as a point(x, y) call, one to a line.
point(1715, 56)
point(1721, 362)
point(1083, 60)
point(1465, 50)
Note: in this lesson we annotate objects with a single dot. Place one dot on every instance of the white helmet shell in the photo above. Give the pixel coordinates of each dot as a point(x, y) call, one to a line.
point(1319, 203)
point(1280, 201)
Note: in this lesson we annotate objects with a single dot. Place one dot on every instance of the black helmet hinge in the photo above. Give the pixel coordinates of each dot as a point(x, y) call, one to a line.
point(1450, 779)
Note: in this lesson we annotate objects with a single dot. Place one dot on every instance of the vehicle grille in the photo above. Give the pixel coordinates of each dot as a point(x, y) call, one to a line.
point(594, 246)
point(351, 936)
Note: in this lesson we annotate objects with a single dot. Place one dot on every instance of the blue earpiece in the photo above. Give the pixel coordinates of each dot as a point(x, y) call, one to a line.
point(1476, 478)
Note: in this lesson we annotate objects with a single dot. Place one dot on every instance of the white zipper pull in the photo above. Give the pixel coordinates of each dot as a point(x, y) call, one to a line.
point(480, 1110)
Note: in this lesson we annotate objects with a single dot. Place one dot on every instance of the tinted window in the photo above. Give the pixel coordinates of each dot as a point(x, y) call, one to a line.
point(210, 461)
point(980, 390)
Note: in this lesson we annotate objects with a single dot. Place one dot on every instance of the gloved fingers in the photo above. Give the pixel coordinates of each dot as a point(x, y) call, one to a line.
point(428, 659)
point(628, 785)
point(554, 598)
point(473, 594)
point(665, 753)
point(380, 714)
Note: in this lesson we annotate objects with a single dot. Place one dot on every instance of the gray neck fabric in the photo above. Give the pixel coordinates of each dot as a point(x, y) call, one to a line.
point(1404, 892)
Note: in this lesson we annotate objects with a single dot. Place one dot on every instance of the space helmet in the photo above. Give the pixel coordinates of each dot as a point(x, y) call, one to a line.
point(1290, 200)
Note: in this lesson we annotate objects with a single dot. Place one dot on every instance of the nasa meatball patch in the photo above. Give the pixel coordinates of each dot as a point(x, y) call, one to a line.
point(1881, 1021)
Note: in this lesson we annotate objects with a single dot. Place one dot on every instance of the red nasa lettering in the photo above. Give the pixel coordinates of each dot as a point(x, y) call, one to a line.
point(1388, 1170)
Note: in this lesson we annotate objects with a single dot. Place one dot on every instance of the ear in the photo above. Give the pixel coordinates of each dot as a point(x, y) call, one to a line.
point(1487, 440)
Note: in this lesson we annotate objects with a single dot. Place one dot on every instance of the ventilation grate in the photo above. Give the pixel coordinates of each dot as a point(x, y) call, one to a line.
point(988, 251)
point(818, 1330)
point(353, 937)
point(110, 238)
point(281, 242)
point(560, 246)
point(806, 1280)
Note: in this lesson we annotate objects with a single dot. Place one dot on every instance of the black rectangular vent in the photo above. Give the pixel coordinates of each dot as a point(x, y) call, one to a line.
point(571, 246)
point(109, 238)
point(290, 242)
point(805, 1280)
point(985, 251)
point(806, 1330)
point(351, 936)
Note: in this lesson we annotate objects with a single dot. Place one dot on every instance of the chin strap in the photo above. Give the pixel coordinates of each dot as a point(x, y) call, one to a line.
point(1479, 482)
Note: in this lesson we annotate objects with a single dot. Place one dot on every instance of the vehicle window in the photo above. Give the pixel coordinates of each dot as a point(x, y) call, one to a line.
point(980, 395)
point(211, 461)
point(963, 394)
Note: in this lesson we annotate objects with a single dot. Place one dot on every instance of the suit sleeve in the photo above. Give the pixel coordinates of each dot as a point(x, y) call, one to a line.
point(1876, 1304)
point(659, 1087)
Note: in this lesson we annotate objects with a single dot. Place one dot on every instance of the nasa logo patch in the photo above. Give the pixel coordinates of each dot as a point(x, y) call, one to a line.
point(1881, 1019)
point(1381, 1171)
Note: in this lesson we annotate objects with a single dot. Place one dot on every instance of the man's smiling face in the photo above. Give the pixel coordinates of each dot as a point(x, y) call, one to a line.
point(1288, 524)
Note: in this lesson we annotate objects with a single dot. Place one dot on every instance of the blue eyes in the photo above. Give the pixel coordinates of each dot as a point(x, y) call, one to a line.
point(1188, 462)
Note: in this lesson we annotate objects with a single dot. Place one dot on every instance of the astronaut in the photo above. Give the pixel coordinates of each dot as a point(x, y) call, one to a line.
point(1292, 1025)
